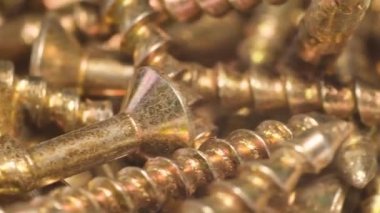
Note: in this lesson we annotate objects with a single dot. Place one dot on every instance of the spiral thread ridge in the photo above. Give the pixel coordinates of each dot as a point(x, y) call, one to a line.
point(189, 10)
point(259, 182)
point(148, 189)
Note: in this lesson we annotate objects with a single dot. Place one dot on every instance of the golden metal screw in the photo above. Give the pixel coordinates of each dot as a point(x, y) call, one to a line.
point(257, 182)
point(58, 57)
point(234, 90)
point(157, 120)
point(256, 90)
point(18, 34)
point(147, 43)
point(188, 10)
point(188, 170)
point(324, 31)
point(263, 92)
point(325, 194)
point(45, 104)
point(356, 159)
point(268, 33)
point(90, 71)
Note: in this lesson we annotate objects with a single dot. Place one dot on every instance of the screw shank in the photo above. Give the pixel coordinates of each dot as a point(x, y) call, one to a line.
point(118, 76)
point(79, 150)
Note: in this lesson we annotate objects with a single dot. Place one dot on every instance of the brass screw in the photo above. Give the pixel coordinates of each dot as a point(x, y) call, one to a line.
point(72, 66)
point(19, 33)
point(157, 120)
point(45, 104)
point(287, 91)
point(324, 31)
point(188, 10)
point(257, 182)
point(147, 43)
point(188, 169)
point(234, 90)
point(356, 160)
point(268, 33)
point(325, 194)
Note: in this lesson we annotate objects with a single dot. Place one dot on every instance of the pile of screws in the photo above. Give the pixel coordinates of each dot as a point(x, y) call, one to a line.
point(189, 106)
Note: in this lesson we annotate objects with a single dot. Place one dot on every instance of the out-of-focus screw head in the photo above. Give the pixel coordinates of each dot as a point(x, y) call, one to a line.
point(56, 53)
point(356, 160)
point(319, 148)
point(326, 194)
point(58, 57)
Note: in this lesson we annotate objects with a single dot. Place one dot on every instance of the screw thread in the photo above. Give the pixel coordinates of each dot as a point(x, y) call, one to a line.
point(235, 90)
point(317, 45)
point(287, 91)
point(258, 182)
point(146, 189)
point(64, 108)
point(190, 10)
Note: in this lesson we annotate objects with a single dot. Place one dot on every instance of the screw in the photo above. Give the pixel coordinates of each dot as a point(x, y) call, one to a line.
point(234, 90)
point(45, 104)
point(19, 33)
point(73, 66)
point(324, 31)
point(287, 91)
point(147, 43)
point(258, 181)
point(268, 33)
point(325, 194)
point(157, 120)
point(189, 10)
point(189, 169)
point(356, 160)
